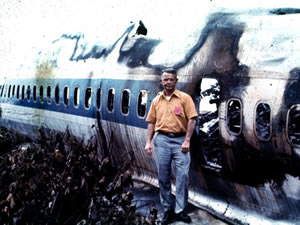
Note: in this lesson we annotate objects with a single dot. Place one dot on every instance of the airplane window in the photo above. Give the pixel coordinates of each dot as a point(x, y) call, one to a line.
point(125, 101)
point(18, 92)
point(76, 96)
point(9, 89)
point(28, 93)
point(88, 98)
point(5, 88)
point(57, 94)
point(294, 124)
point(234, 116)
point(34, 93)
point(263, 121)
point(13, 90)
point(3, 92)
point(66, 95)
point(49, 95)
point(2, 88)
point(23, 92)
point(142, 103)
point(98, 99)
point(110, 99)
point(41, 94)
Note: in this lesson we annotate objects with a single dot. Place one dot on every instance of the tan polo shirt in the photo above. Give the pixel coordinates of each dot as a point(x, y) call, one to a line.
point(171, 115)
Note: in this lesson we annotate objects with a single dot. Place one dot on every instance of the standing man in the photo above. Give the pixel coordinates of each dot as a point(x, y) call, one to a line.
point(173, 116)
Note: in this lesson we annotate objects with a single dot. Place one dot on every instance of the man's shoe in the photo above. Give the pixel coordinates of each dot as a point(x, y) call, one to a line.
point(169, 217)
point(182, 216)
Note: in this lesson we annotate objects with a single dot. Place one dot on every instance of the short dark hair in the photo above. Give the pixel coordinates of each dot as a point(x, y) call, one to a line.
point(169, 70)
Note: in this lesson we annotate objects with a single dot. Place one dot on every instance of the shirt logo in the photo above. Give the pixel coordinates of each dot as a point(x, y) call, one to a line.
point(177, 110)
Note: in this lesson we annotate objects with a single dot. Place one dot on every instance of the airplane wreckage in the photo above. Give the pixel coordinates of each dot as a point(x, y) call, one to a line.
point(241, 69)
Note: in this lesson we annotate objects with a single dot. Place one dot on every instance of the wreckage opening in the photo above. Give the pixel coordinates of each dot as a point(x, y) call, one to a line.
point(207, 128)
point(293, 122)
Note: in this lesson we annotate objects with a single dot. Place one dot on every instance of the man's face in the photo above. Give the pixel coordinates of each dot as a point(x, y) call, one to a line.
point(168, 81)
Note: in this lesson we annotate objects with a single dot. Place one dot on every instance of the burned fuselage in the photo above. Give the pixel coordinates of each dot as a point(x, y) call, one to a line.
point(242, 72)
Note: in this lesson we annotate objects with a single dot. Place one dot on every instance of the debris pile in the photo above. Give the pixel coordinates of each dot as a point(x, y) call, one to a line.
point(65, 184)
point(7, 140)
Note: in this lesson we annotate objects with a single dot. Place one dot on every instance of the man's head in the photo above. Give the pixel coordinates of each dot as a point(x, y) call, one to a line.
point(168, 80)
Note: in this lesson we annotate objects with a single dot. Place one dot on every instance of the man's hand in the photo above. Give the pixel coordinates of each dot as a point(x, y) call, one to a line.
point(185, 147)
point(148, 148)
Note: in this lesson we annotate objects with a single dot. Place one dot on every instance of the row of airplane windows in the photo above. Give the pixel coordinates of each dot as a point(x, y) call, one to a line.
point(263, 121)
point(22, 92)
point(233, 109)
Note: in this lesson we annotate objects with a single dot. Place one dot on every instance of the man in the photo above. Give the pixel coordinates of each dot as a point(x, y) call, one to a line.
point(173, 116)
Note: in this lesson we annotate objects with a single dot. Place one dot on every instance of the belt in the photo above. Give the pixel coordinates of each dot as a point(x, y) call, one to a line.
point(171, 135)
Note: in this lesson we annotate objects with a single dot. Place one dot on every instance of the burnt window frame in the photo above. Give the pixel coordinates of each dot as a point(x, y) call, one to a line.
point(287, 125)
point(128, 103)
point(88, 102)
point(34, 95)
point(98, 98)
point(255, 122)
point(241, 116)
point(76, 97)
point(41, 94)
point(113, 100)
point(66, 95)
point(57, 95)
point(137, 104)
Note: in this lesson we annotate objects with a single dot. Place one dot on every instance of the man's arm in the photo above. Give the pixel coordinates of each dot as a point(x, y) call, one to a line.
point(151, 131)
point(185, 147)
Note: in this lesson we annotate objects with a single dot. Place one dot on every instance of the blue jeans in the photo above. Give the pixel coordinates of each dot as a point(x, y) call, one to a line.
point(168, 149)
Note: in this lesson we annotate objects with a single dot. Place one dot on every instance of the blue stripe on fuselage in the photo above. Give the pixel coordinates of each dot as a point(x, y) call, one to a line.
point(135, 86)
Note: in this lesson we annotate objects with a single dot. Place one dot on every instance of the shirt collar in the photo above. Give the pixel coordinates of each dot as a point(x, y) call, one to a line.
point(175, 93)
